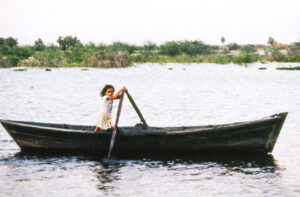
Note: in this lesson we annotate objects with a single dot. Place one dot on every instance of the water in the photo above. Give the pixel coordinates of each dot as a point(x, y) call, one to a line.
point(195, 94)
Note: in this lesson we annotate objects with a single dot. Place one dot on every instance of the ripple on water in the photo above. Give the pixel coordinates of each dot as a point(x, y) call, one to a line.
point(192, 94)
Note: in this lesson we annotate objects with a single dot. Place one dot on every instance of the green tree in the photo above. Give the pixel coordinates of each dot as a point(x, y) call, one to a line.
point(149, 46)
point(67, 41)
point(76, 53)
point(23, 52)
point(91, 45)
point(171, 48)
point(10, 42)
point(39, 45)
point(13, 60)
point(193, 48)
point(120, 46)
point(1, 41)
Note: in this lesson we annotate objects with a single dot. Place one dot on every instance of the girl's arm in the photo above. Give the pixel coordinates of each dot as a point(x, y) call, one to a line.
point(117, 96)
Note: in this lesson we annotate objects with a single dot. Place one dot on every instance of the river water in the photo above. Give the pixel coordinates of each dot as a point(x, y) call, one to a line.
point(168, 95)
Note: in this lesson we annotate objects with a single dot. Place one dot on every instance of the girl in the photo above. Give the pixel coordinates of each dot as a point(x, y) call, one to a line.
point(107, 94)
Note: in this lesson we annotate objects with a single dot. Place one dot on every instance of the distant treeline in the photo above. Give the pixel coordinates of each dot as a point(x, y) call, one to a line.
point(69, 51)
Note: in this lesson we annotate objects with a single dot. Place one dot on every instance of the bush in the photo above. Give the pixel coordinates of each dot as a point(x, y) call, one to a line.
point(138, 58)
point(233, 46)
point(1, 42)
point(149, 46)
point(171, 48)
point(248, 49)
point(219, 59)
point(48, 58)
point(75, 53)
point(10, 42)
point(244, 59)
point(13, 60)
point(119, 46)
point(293, 58)
point(23, 52)
point(108, 60)
point(277, 56)
point(39, 45)
point(193, 48)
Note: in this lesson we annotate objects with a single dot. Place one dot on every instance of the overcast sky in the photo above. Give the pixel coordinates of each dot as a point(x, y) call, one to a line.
point(136, 21)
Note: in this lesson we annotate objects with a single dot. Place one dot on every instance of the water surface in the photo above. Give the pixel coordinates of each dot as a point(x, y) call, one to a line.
point(187, 94)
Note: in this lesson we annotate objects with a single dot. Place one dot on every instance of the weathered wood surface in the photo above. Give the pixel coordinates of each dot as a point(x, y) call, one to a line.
point(259, 135)
point(136, 108)
point(113, 137)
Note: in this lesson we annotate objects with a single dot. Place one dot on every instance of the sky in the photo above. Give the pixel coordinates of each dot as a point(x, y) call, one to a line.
point(139, 21)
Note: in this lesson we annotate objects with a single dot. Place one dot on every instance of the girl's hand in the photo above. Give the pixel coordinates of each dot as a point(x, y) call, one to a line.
point(124, 89)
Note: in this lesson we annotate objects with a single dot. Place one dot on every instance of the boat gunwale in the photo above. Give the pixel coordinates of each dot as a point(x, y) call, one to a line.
point(189, 129)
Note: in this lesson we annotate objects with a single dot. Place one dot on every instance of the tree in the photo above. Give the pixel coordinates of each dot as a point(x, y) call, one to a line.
point(22, 52)
point(1, 41)
point(91, 45)
point(222, 39)
point(76, 53)
point(149, 46)
point(120, 46)
point(195, 47)
point(271, 41)
point(39, 45)
point(170, 48)
point(10, 42)
point(67, 41)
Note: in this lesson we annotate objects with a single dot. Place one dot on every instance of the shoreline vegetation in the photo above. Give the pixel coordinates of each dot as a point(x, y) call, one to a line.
point(70, 52)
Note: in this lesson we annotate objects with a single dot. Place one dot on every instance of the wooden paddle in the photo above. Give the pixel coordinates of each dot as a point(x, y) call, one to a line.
point(136, 108)
point(113, 137)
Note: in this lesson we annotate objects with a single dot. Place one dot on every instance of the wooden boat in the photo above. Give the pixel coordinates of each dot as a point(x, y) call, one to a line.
point(259, 135)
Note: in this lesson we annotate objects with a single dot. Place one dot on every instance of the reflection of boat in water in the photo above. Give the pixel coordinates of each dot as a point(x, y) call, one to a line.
point(259, 135)
point(251, 163)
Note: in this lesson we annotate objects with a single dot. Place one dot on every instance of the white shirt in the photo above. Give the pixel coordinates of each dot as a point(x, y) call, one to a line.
point(107, 105)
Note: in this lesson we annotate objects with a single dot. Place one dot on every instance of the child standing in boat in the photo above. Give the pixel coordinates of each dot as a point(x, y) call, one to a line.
point(104, 118)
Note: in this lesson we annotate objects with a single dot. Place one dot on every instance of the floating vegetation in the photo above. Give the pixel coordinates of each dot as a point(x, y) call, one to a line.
point(262, 68)
point(20, 69)
point(48, 69)
point(84, 69)
point(288, 68)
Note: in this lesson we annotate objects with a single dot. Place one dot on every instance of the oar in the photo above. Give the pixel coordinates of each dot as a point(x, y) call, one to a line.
point(113, 137)
point(136, 108)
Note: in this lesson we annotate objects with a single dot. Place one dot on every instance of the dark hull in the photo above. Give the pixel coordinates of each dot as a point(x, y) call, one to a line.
point(259, 135)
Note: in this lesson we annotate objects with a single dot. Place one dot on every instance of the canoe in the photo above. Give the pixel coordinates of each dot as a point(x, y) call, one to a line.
point(249, 136)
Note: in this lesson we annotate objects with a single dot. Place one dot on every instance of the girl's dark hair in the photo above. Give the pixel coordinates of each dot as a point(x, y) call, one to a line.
point(107, 86)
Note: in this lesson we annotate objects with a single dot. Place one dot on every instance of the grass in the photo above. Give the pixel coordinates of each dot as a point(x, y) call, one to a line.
point(288, 68)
